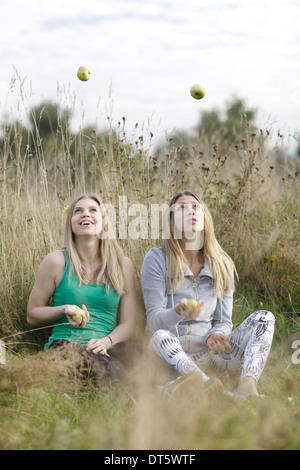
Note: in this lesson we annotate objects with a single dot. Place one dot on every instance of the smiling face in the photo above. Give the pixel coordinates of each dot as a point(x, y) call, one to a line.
point(86, 218)
point(188, 217)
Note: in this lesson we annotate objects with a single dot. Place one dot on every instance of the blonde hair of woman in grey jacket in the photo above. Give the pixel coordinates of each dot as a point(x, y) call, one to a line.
point(192, 338)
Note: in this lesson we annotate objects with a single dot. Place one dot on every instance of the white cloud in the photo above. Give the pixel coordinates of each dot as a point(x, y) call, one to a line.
point(153, 52)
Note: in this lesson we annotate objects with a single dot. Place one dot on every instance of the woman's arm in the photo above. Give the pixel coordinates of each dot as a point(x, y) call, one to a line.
point(128, 307)
point(222, 321)
point(154, 279)
point(49, 273)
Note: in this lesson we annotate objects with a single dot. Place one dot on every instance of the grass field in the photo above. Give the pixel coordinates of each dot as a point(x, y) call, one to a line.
point(255, 203)
point(41, 411)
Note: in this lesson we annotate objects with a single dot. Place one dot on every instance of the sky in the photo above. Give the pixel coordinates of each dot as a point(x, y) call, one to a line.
point(144, 56)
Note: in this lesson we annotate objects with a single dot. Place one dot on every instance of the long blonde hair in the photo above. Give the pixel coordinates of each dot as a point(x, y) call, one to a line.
point(111, 268)
point(221, 265)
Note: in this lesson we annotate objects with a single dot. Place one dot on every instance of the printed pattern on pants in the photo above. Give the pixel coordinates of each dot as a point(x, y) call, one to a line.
point(168, 346)
point(250, 346)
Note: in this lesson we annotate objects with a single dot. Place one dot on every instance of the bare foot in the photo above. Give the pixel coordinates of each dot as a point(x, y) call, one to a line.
point(247, 387)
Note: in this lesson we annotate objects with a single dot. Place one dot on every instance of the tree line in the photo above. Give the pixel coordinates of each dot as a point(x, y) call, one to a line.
point(49, 122)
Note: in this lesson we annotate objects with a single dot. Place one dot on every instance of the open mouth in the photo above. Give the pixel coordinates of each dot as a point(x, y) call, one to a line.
point(86, 222)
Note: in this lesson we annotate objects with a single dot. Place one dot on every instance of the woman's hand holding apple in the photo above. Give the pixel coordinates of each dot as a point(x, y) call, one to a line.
point(76, 315)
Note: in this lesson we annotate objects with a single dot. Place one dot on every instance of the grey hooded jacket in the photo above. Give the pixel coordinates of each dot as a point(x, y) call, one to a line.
point(160, 302)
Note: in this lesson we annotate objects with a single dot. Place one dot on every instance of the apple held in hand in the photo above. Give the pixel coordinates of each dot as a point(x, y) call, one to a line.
point(192, 303)
point(198, 91)
point(79, 313)
point(83, 73)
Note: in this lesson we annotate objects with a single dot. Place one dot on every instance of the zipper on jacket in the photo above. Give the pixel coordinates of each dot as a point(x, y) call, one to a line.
point(189, 328)
point(194, 287)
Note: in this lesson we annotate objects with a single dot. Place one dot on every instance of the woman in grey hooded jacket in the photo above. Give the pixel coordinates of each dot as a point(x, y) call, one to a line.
point(192, 336)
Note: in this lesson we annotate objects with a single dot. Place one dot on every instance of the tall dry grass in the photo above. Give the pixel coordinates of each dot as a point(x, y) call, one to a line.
point(253, 197)
point(45, 404)
point(255, 202)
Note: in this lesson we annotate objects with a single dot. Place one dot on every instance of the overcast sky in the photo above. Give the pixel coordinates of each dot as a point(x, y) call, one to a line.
point(144, 56)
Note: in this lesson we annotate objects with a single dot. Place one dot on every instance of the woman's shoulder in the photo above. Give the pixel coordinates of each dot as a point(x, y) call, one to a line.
point(55, 259)
point(156, 253)
point(156, 259)
point(128, 264)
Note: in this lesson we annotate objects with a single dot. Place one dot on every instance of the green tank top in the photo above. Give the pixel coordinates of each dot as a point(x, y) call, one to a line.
point(101, 305)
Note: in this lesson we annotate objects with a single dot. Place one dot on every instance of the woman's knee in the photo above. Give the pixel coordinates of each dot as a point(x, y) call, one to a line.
point(160, 335)
point(263, 316)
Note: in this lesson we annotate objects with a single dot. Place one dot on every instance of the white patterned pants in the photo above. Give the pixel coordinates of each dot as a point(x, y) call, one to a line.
point(250, 346)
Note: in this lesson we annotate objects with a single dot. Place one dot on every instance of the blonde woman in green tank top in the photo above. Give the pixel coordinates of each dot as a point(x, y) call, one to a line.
point(89, 273)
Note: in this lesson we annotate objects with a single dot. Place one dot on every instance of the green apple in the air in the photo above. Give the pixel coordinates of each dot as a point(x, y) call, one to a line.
point(79, 313)
point(192, 303)
point(83, 73)
point(198, 91)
